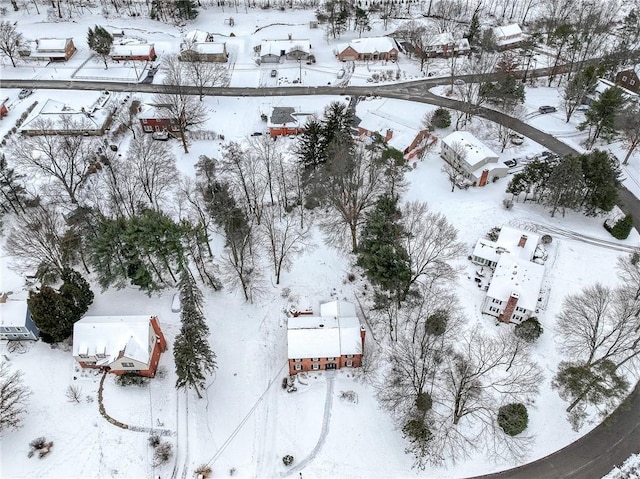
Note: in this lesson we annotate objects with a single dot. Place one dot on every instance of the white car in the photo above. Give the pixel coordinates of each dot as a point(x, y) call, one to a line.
point(24, 93)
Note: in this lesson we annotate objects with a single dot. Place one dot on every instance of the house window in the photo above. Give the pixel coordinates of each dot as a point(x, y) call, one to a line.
point(83, 355)
point(127, 365)
point(297, 367)
point(349, 355)
point(144, 121)
point(349, 364)
point(331, 359)
point(100, 355)
point(315, 359)
point(624, 77)
point(297, 360)
point(315, 367)
point(632, 82)
point(148, 128)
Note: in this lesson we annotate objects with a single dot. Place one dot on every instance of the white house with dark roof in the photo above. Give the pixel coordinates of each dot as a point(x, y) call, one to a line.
point(508, 36)
point(119, 344)
point(446, 45)
point(286, 120)
point(511, 241)
point(16, 323)
point(332, 340)
point(474, 160)
point(371, 48)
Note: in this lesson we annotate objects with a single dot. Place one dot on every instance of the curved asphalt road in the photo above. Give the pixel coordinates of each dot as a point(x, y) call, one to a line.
point(594, 454)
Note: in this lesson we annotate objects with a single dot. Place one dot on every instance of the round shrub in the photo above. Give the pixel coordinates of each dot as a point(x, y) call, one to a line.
point(287, 460)
point(513, 418)
point(441, 118)
point(424, 402)
point(529, 330)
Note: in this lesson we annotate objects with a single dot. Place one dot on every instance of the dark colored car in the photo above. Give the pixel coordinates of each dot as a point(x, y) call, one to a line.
point(547, 109)
point(511, 163)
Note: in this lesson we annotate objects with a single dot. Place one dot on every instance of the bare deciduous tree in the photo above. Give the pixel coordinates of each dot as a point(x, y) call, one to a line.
point(432, 243)
point(284, 239)
point(13, 397)
point(182, 107)
point(68, 159)
point(203, 73)
point(355, 180)
point(153, 167)
point(10, 41)
point(74, 393)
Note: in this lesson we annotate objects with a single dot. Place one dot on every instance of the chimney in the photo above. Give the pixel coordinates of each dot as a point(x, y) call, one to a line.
point(523, 241)
point(483, 178)
point(156, 329)
point(389, 135)
point(505, 317)
point(363, 333)
point(289, 36)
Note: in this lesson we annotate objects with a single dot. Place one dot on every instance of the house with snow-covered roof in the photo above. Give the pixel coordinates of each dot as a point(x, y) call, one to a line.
point(473, 159)
point(133, 51)
point(119, 344)
point(629, 78)
point(403, 133)
point(54, 117)
point(52, 49)
point(522, 244)
point(372, 48)
point(446, 45)
point(514, 291)
point(286, 120)
point(272, 51)
point(508, 36)
point(332, 340)
point(16, 322)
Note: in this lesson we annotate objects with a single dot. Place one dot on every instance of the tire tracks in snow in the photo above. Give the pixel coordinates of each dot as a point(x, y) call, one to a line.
point(326, 421)
point(181, 464)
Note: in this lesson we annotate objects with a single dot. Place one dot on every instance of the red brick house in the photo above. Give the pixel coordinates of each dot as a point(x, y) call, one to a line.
point(333, 340)
point(629, 79)
point(363, 49)
point(285, 120)
point(133, 51)
point(155, 118)
point(52, 49)
point(119, 344)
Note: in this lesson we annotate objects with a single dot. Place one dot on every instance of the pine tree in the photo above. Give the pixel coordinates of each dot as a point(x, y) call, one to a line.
point(601, 115)
point(602, 180)
point(193, 356)
point(441, 118)
point(565, 186)
point(513, 418)
point(100, 41)
point(622, 228)
point(474, 27)
point(55, 312)
point(186, 9)
point(380, 251)
point(362, 22)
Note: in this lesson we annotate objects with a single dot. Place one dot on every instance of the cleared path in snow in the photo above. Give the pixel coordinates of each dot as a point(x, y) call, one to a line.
point(326, 420)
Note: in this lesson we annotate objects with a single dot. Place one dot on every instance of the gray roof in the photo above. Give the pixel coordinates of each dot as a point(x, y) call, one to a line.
point(282, 115)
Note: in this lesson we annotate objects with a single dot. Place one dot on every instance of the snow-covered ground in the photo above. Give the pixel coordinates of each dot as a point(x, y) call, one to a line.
point(246, 423)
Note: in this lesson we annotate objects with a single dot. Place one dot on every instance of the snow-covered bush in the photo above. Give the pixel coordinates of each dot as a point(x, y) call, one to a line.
point(287, 460)
point(203, 471)
point(163, 453)
point(131, 379)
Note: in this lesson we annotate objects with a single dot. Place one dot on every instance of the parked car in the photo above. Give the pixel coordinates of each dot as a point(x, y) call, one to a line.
point(24, 93)
point(517, 139)
point(274, 73)
point(459, 82)
point(160, 135)
point(547, 109)
point(256, 133)
point(511, 163)
point(341, 73)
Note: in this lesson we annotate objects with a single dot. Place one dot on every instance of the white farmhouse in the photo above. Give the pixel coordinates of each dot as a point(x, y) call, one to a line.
point(472, 158)
point(521, 244)
point(508, 36)
point(515, 289)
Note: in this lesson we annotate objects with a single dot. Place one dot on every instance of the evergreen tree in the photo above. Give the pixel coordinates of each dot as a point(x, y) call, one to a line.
point(310, 147)
point(441, 118)
point(193, 356)
point(55, 312)
point(529, 330)
point(513, 418)
point(507, 90)
point(601, 115)
point(100, 41)
point(622, 228)
point(565, 185)
point(186, 9)
point(381, 252)
point(474, 27)
point(602, 180)
point(362, 22)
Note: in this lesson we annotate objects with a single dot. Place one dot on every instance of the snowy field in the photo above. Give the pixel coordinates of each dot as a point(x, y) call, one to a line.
point(246, 423)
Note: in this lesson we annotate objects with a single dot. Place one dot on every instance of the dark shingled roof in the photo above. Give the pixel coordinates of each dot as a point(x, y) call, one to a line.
point(282, 115)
